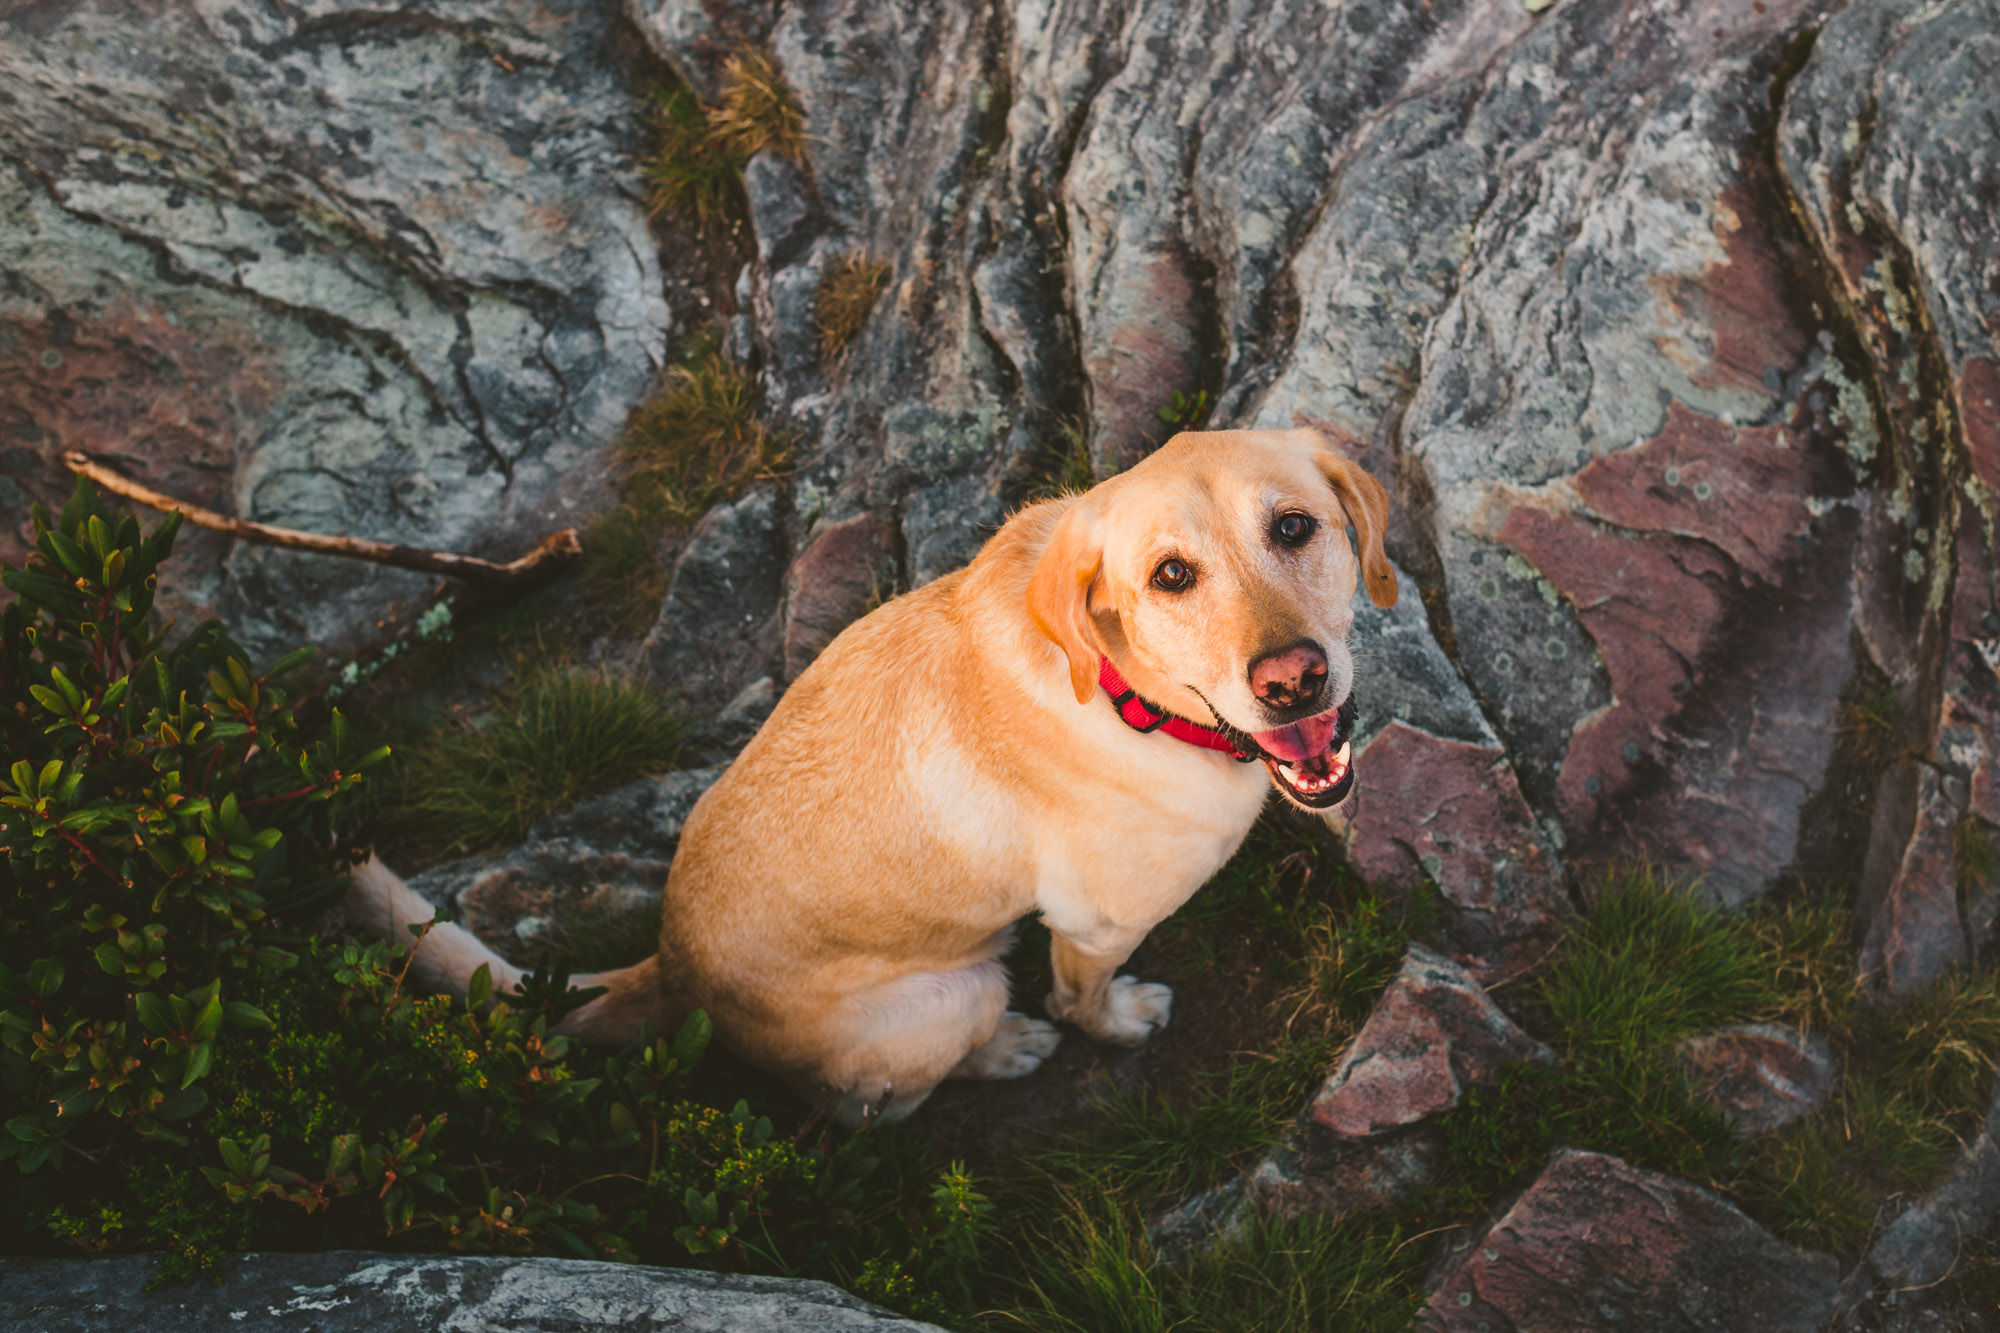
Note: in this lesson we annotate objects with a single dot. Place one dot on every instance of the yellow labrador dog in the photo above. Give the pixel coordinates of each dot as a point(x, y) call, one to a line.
point(1070, 725)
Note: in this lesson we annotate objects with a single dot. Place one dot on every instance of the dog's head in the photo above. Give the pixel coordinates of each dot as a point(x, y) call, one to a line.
point(1217, 576)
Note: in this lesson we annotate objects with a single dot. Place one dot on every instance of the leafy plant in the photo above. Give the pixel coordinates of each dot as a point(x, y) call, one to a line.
point(1184, 411)
point(159, 809)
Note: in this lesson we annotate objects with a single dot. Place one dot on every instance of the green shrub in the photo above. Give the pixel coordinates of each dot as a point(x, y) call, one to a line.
point(158, 808)
point(186, 1067)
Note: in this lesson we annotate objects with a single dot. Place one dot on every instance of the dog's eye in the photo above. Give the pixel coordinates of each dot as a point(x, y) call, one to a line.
point(1294, 529)
point(1173, 576)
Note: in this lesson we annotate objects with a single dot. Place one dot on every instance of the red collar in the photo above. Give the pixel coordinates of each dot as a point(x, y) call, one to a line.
point(1139, 715)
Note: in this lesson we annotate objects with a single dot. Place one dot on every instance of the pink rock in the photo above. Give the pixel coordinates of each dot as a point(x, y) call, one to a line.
point(1761, 1075)
point(1434, 1032)
point(1915, 934)
point(844, 568)
point(1596, 1243)
point(1451, 812)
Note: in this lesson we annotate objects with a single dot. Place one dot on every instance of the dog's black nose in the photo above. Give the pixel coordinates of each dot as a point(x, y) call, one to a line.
point(1293, 675)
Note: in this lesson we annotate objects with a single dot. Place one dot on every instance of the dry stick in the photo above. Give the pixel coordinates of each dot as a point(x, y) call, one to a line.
point(551, 551)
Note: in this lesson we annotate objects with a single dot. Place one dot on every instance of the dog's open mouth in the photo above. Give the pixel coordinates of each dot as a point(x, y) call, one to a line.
point(1310, 760)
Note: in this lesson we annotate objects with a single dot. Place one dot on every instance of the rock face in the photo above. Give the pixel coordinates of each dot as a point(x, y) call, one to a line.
point(1760, 1076)
point(1674, 326)
point(383, 1293)
point(594, 872)
point(377, 270)
point(1679, 359)
point(1891, 153)
point(1595, 1243)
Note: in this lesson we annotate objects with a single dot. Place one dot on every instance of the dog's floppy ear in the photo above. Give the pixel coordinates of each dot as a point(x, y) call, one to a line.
point(1059, 595)
point(1367, 506)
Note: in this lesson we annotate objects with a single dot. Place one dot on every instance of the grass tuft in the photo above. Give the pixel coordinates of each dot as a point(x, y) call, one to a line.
point(690, 173)
point(1870, 723)
point(1070, 470)
point(1098, 1275)
point(1975, 857)
point(1938, 1047)
point(700, 442)
point(1822, 1181)
point(561, 735)
point(758, 112)
point(1809, 964)
point(847, 294)
point(1651, 963)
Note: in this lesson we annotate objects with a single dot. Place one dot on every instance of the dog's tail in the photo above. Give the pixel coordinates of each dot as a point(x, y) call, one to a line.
point(381, 904)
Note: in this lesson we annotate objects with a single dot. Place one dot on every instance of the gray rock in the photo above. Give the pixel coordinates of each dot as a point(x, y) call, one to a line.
point(1890, 148)
point(351, 1292)
point(1761, 1075)
point(1921, 1245)
point(719, 628)
point(379, 271)
point(592, 872)
point(1595, 1243)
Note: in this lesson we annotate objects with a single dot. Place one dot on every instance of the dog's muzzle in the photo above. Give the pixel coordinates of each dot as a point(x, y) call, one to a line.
point(1311, 760)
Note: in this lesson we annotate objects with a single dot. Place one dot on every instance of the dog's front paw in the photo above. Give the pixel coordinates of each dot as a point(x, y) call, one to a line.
point(1133, 1011)
point(1016, 1049)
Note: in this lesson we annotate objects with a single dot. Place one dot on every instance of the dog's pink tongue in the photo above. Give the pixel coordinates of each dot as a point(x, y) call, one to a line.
point(1301, 740)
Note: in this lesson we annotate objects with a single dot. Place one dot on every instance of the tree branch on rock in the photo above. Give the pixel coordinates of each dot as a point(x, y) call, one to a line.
point(549, 554)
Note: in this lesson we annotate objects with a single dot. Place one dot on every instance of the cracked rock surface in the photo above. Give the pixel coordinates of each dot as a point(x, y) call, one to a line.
point(379, 271)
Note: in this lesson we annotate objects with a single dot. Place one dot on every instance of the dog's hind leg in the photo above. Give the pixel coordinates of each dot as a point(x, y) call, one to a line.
point(892, 1045)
